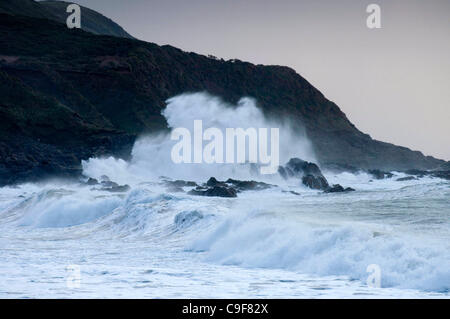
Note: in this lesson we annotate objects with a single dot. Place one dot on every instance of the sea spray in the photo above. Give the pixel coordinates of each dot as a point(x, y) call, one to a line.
point(151, 154)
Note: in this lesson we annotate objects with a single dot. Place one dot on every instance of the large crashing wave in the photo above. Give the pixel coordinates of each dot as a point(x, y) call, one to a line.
point(257, 239)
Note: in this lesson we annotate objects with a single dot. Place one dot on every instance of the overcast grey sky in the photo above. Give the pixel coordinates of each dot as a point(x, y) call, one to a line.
point(393, 83)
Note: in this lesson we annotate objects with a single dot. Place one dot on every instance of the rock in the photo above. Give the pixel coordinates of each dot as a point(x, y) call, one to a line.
point(417, 172)
point(104, 178)
point(335, 189)
point(445, 174)
point(248, 185)
point(315, 182)
point(214, 182)
point(285, 172)
point(300, 167)
point(216, 191)
point(92, 181)
point(309, 173)
point(311, 176)
point(117, 189)
point(380, 174)
point(408, 178)
point(238, 184)
point(108, 184)
point(442, 174)
point(338, 189)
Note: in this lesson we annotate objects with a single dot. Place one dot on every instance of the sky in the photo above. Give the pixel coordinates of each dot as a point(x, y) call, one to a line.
point(393, 83)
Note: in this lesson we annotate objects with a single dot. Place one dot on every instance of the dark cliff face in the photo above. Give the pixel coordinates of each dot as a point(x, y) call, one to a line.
point(67, 95)
point(92, 21)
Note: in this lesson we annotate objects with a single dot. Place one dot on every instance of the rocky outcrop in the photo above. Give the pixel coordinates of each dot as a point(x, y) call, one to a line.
point(310, 175)
point(107, 185)
point(380, 174)
point(215, 191)
point(315, 182)
point(338, 189)
point(407, 178)
point(436, 173)
point(247, 185)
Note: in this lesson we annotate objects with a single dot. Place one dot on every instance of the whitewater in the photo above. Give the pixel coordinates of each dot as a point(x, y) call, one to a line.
point(287, 241)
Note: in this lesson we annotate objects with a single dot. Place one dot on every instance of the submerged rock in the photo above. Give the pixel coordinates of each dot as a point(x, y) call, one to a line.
point(408, 178)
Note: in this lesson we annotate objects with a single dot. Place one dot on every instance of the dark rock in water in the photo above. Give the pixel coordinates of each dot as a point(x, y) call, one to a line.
point(214, 182)
point(107, 184)
point(216, 191)
point(92, 181)
point(445, 174)
point(338, 189)
point(300, 167)
point(238, 184)
point(117, 189)
point(442, 174)
point(380, 174)
point(248, 185)
point(335, 189)
point(309, 173)
point(104, 178)
point(315, 182)
point(417, 172)
point(282, 171)
point(311, 176)
point(408, 178)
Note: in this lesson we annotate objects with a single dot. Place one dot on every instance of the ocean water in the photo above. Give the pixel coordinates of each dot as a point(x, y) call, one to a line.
point(61, 239)
point(264, 244)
